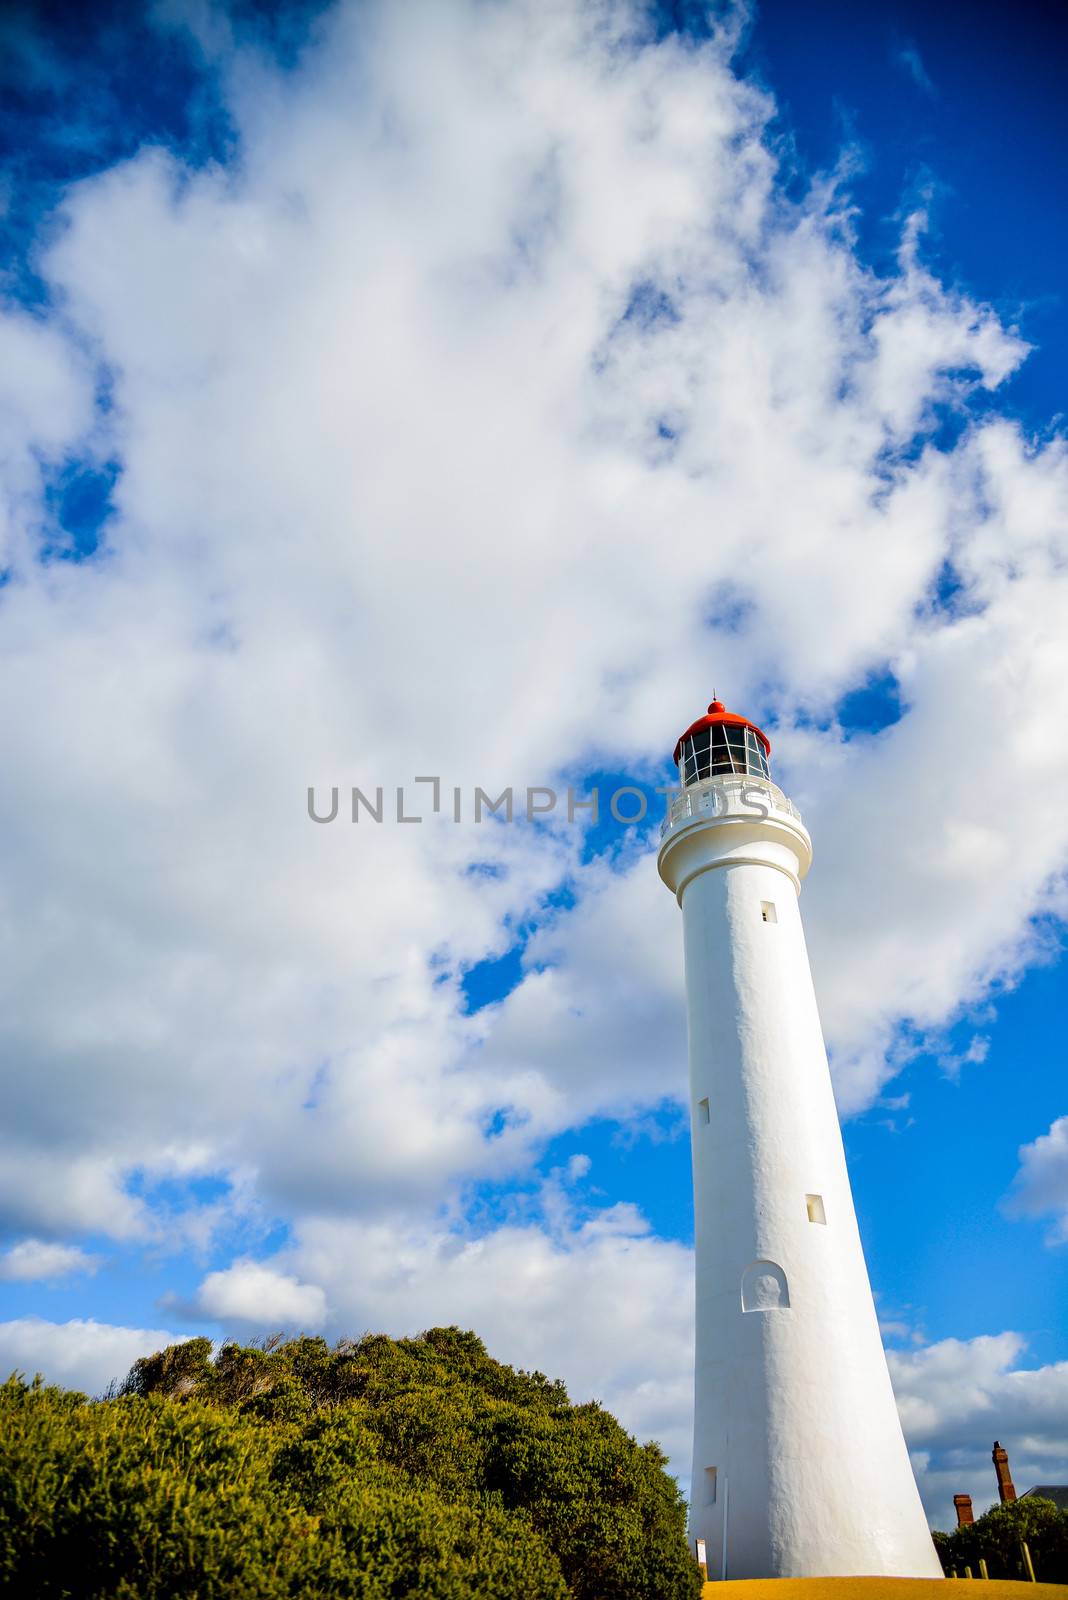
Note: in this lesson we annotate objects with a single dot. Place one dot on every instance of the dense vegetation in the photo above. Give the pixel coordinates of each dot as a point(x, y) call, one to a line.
point(387, 1468)
point(996, 1537)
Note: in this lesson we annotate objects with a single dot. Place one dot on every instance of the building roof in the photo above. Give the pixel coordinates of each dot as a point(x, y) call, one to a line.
point(716, 716)
point(1057, 1492)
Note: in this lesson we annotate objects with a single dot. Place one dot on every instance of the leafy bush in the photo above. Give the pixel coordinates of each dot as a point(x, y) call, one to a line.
point(371, 1471)
point(995, 1538)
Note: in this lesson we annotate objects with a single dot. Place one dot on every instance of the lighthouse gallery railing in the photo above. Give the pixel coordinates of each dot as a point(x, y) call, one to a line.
point(725, 796)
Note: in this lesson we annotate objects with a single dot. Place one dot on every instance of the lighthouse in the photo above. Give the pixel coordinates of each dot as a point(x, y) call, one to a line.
point(799, 1462)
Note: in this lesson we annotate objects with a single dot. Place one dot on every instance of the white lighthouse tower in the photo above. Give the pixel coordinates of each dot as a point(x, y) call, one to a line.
point(799, 1463)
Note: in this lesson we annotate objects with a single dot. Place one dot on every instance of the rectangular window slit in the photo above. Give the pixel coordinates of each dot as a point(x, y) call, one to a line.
point(702, 1110)
point(814, 1205)
point(710, 1486)
point(767, 911)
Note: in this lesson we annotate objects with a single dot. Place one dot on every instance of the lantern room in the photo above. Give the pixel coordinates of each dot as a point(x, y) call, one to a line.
point(720, 744)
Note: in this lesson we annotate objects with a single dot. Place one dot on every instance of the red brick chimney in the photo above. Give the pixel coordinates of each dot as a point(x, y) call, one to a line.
point(963, 1503)
point(1006, 1487)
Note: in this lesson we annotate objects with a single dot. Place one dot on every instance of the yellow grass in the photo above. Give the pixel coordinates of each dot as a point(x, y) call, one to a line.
point(881, 1589)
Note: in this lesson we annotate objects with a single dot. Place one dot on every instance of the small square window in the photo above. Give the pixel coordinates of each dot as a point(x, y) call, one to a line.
point(767, 911)
point(814, 1206)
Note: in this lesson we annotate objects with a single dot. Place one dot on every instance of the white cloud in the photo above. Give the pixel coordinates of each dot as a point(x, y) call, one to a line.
point(32, 1259)
point(249, 1292)
point(446, 417)
point(82, 1354)
point(46, 399)
point(594, 1299)
point(598, 1023)
point(910, 60)
point(959, 1395)
point(65, 1190)
point(1040, 1187)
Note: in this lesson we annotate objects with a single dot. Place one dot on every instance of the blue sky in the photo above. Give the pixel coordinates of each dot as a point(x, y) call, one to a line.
point(345, 447)
point(958, 107)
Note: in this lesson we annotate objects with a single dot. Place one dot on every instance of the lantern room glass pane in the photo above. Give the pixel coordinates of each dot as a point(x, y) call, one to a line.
point(719, 755)
point(721, 750)
point(758, 761)
point(695, 757)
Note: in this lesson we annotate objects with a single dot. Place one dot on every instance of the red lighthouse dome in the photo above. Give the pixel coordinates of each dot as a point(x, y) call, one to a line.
point(722, 742)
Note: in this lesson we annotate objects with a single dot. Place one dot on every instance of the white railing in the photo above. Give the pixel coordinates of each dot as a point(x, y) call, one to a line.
point(727, 796)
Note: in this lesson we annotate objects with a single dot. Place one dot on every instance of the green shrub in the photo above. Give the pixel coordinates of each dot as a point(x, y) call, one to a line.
point(995, 1538)
point(376, 1470)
